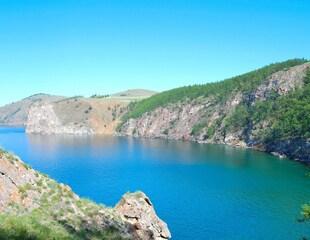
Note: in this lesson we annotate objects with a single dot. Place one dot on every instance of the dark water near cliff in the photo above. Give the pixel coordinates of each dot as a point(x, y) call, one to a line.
point(201, 191)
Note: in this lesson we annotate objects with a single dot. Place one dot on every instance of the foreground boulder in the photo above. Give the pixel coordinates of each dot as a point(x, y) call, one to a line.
point(137, 209)
point(33, 206)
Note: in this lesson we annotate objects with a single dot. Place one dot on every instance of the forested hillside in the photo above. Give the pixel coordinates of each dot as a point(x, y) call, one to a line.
point(266, 109)
point(220, 90)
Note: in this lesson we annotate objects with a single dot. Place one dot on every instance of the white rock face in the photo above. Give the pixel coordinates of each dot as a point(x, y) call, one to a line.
point(42, 119)
point(175, 122)
point(282, 82)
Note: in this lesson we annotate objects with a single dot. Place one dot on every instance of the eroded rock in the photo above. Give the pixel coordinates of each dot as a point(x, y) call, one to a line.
point(137, 209)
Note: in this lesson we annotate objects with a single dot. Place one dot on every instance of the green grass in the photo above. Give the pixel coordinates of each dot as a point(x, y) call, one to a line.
point(219, 90)
point(56, 214)
point(35, 226)
point(31, 227)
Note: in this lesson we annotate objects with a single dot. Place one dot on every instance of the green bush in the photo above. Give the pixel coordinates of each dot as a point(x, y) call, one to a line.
point(30, 228)
point(197, 128)
point(239, 119)
point(307, 78)
point(289, 115)
point(305, 211)
point(211, 131)
point(38, 226)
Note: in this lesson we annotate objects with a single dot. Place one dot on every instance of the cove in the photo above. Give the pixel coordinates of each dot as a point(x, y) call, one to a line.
point(201, 191)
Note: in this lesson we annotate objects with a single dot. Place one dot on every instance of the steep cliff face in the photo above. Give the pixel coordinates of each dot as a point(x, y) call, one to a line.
point(230, 119)
point(99, 114)
point(43, 119)
point(174, 122)
point(16, 113)
point(76, 116)
point(39, 203)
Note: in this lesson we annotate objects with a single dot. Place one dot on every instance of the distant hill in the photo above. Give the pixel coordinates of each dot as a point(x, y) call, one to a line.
point(77, 115)
point(98, 114)
point(135, 93)
point(16, 113)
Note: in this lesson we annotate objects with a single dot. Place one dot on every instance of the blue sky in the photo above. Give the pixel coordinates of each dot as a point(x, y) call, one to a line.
point(74, 47)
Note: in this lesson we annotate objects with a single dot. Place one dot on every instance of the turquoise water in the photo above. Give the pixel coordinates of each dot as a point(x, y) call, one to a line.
point(201, 191)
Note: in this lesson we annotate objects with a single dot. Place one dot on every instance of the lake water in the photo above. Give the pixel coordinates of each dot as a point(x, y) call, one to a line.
point(201, 191)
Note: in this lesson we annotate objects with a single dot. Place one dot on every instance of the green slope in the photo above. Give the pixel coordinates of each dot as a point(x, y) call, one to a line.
point(220, 90)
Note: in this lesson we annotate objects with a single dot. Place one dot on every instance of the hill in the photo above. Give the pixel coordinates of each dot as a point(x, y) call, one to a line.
point(138, 93)
point(266, 109)
point(99, 114)
point(16, 113)
point(76, 115)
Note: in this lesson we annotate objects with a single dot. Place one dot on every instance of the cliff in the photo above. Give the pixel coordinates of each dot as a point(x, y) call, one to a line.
point(76, 116)
point(16, 114)
point(33, 206)
point(99, 114)
point(267, 109)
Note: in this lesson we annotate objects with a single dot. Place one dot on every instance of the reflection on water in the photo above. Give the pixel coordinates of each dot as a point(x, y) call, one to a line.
point(159, 150)
point(202, 191)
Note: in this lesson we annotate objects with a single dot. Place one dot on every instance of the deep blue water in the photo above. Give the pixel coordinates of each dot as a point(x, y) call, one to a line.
point(201, 191)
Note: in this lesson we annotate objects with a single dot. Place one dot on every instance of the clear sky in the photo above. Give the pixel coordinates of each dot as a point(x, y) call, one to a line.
point(75, 47)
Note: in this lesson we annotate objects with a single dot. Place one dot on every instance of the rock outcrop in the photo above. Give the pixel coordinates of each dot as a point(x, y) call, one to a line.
point(25, 192)
point(99, 114)
point(172, 122)
point(16, 114)
point(44, 120)
point(137, 209)
point(203, 119)
point(79, 116)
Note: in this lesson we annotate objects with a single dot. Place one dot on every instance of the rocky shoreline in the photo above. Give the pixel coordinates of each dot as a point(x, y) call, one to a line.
point(204, 120)
point(201, 119)
point(28, 194)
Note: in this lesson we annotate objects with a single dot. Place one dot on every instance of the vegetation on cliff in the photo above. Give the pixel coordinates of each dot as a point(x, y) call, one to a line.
point(267, 109)
point(288, 115)
point(38, 208)
point(219, 90)
point(37, 226)
point(33, 206)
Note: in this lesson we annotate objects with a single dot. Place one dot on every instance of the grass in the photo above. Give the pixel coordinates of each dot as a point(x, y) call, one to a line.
point(29, 227)
point(55, 212)
point(36, 226)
